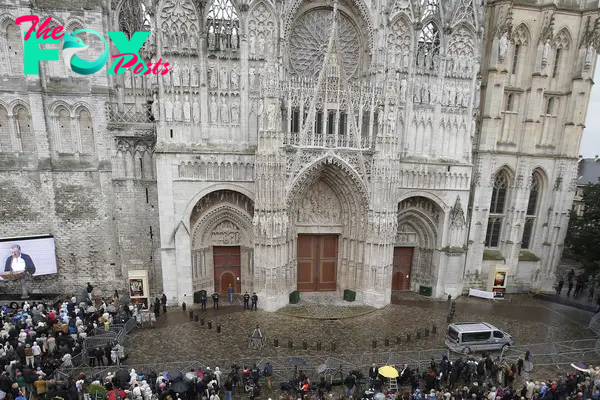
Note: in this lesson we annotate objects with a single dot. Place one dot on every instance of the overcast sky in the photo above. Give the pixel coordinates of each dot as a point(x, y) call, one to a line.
point(590, 144)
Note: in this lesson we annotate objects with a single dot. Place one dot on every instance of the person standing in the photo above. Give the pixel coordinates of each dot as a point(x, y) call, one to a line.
point(230, 293)
point(89, 289)
point(254, 301)
point(164, 302)
point(203, 301)
point(215, 299)
point(268, 372)
point(246, 301)
point(560, 285)
point(157, 306)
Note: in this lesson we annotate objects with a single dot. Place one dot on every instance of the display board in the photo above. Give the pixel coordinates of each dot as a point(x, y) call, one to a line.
point(34, 254)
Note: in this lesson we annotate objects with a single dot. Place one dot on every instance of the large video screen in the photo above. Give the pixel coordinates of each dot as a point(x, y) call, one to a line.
point(31, 253)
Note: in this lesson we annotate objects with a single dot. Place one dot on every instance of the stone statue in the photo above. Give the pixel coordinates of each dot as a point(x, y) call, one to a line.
point(271, 118)
point(193, 44)
point(224, 112)
point(177, 109)
point(234, 39)
point(223, 39)
point(452, 95)
point(196, 111)
point(252, 41)
point(194, 76)
point(261, 117)
point(391, 121)
point(176, 75)
point(235, 79)
point(213, 110)
point(252, 75)
point(211, 40)
point(155, 109)
point(168, 110)
point(167, 80)
point(223, 79)
point(403, 87)
point(261, 46)
point(503, 46)
point(270, 48)
point(433, 94)
point(380, 118)
point(589, 57)
point(187, 117)
point(185, 76)
point(213, 78)
point(235, 112)
point(127, 78)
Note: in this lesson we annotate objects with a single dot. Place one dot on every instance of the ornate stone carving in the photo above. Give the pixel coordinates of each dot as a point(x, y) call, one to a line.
point(214, 110)
point(187, 110)
point(226, 233)
point(320, 206)
point(196, 111)
point(224, 111)
point(177, 109)
point(168, 110)
point(457, 215)
point(423, 204)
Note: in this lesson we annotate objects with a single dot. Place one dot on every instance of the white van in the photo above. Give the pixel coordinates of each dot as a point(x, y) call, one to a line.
point(469, 337)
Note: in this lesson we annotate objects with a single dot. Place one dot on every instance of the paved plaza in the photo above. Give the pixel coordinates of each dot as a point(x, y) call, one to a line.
point(176, 339)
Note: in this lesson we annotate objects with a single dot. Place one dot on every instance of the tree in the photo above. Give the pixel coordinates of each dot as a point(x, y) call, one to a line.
point(583, 234)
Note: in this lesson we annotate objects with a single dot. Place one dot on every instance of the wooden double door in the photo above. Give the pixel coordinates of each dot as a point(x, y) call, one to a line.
point(317, 263)
point(403, 259)
point(227, 266)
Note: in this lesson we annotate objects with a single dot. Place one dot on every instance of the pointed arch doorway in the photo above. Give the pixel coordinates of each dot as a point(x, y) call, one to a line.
point(402, 268)
point(317, 263)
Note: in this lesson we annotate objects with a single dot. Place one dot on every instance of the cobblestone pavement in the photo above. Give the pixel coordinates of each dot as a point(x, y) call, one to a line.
point(176, 338)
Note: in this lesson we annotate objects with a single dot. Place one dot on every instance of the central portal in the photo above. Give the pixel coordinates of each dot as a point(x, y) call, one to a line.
point(317, 263)
point(227, 265)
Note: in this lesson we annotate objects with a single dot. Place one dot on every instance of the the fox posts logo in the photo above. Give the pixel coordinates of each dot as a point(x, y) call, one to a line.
point(127, 56)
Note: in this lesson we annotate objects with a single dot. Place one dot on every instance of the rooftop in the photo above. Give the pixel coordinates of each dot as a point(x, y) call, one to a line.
point(473, 326)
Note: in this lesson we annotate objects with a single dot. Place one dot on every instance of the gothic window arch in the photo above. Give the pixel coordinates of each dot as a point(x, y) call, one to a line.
point(399, 43)
point(562, 43)
point(179, 20)
point(500, 192)
point(64, 129)
point(261, 30)
point(134, 16)
point(550, 104)
point(5, 131)
point(520, 40)
point(309, 39)
point(14, 48)
point(428, 52)
point(223, 26)
point(24, 129)
point(460, 54)
point(86, 131)
point(535, 192)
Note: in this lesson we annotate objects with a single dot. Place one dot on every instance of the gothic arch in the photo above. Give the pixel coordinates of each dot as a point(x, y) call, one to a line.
point(6, 19)
point(19, 103)
point(543, 177)
point(60, 103)
point(342, 172)
point(521, 35)
point(456, 41)
point(508, 170)
point(365, 14)
point(220, 218)
point(74, 24)
point(563, 39)
point(212, 189)
point(81, 105)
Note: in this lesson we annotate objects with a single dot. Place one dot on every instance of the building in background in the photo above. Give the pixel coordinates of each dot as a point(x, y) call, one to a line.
point(302, 145)
point(588, 172)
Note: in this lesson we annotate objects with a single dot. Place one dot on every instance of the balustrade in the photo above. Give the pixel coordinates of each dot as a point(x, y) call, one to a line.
point(132, 113)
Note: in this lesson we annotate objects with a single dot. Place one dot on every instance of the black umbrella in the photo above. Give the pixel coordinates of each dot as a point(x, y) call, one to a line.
point(174, 376)
point(297, 361)
point(122, 375)
point(180, 387)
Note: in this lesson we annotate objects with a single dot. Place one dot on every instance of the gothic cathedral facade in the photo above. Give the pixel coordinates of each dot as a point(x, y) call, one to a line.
point(326, 145)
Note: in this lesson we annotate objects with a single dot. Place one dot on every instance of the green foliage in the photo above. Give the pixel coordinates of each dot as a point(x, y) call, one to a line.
point(583, 234)
point(97, 392)
point(494, 255)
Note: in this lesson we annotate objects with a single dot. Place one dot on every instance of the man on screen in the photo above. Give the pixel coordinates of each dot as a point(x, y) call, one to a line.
point(19, 262)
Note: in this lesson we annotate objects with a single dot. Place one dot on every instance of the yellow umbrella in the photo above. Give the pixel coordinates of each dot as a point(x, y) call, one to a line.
point(388, 372)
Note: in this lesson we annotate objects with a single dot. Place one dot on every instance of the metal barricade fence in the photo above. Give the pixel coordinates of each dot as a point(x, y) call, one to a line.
point(544, 354)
